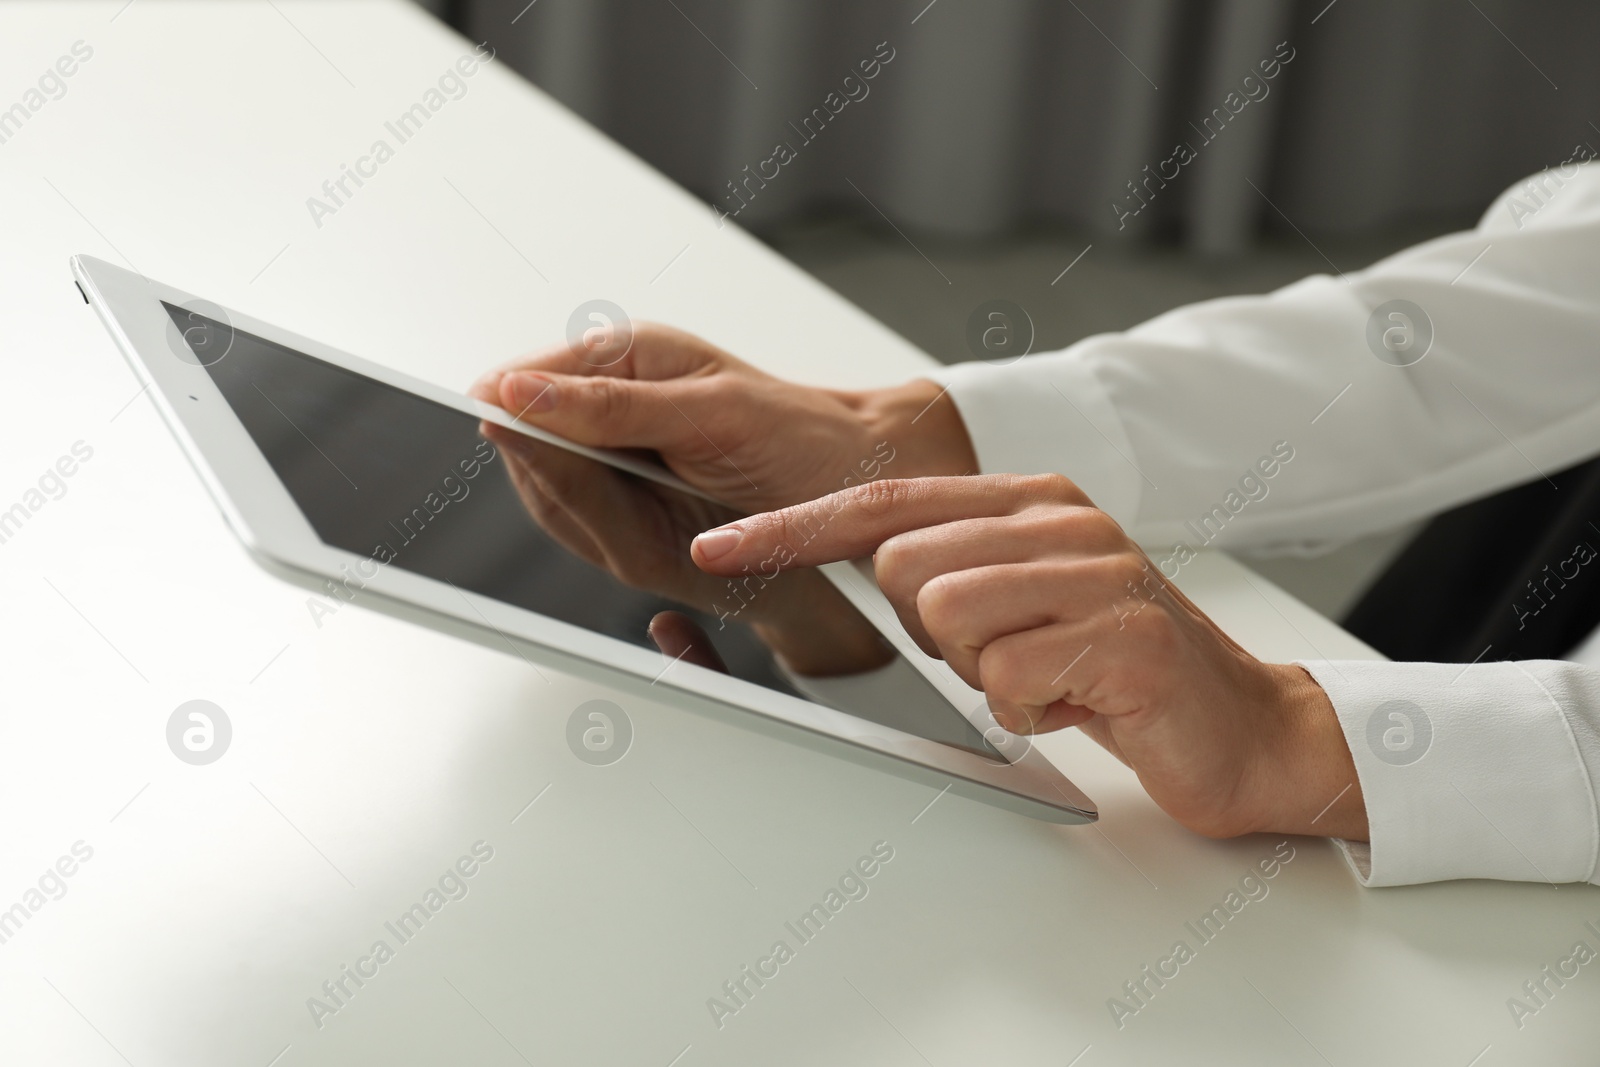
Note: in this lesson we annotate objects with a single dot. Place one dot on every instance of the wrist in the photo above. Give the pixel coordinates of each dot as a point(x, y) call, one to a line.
point(1310, 776)
point(923, 426)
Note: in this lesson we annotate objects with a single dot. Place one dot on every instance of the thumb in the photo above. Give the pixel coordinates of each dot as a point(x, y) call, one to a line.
point(600, 411)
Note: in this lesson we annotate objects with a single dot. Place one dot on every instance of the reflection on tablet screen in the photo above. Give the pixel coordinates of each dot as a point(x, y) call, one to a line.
point(389, 475)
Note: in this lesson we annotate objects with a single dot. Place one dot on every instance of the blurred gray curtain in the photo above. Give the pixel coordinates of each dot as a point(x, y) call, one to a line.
point(1000, 114)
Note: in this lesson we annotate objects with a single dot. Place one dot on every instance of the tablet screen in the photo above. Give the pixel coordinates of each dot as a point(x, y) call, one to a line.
point(389, 475)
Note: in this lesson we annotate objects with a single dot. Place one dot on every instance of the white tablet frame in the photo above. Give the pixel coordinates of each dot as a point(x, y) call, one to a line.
point(277, 535)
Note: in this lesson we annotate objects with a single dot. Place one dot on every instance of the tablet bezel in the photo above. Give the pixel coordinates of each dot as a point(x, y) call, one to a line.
point(266, 519)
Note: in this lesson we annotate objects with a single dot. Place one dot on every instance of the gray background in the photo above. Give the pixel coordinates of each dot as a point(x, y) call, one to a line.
point(986, 156)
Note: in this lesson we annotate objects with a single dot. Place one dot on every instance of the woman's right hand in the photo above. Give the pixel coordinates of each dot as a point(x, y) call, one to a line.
point(749, 439)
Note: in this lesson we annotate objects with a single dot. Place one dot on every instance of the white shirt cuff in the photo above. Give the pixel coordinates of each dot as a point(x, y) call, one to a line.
point(1467, 772)
point(1048, 416)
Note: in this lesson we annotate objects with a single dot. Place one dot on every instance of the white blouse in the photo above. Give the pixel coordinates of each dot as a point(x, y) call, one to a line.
point(1373, 397)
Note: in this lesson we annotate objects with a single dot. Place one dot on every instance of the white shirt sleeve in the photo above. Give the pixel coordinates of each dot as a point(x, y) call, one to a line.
point(1479, 771)
point(1285, 420)
point(1171, 426)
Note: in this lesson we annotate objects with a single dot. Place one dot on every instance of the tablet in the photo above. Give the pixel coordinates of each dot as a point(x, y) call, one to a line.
point(373, 488)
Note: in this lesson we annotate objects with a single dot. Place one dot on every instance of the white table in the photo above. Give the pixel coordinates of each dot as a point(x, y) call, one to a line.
point(369, 755)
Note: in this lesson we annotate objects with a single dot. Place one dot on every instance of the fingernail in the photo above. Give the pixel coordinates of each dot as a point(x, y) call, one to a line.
point(529, 393)
point(1005, 722)
point(719, 542)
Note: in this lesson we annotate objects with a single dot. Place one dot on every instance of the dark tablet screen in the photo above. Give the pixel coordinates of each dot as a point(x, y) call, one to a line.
point(389, 475)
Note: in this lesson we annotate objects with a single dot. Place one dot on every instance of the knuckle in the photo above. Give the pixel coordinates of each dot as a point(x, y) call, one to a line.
point(1129, 574)
point(793, 528)
point(879, 499)
point(1057, 487)
point(1103, 527)
point(889, 565)
point(1087, 527)
point(1149, 579)
point(713, 392)
point(894, 564)
point(1126, 568)
point(610, 398)
point(1000, 671)
point(939, 605)
point(722, 406)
